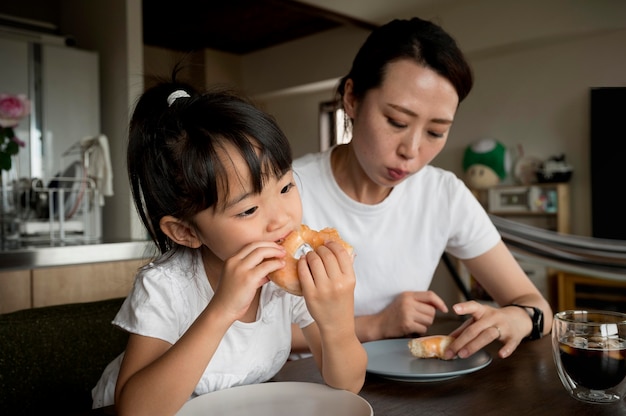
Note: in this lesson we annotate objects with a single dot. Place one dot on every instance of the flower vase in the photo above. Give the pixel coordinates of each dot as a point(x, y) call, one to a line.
point(9, 219)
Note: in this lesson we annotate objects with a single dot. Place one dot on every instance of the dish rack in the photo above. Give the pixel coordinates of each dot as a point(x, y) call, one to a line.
point(66, 211)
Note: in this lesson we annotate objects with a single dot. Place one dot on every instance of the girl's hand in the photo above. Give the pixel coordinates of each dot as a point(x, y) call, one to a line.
point(244, 273)
point(328, 282)
point(488, 324)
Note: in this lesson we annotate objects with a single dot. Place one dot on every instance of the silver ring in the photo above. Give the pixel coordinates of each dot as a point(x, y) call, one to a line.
point(499, 333)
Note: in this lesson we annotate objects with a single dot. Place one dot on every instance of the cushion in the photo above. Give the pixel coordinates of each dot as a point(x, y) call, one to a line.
point(51, 357)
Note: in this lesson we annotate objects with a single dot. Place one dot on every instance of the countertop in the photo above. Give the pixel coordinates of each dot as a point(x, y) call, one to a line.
point(36, 257)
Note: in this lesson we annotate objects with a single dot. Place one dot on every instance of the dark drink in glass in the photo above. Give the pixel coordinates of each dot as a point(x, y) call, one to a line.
point(589, 349)
point(596, 367)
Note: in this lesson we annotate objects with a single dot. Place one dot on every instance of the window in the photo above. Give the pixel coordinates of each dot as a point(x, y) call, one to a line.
point(333, 128)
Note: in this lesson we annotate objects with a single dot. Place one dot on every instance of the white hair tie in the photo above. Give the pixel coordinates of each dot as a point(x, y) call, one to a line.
point(175, 96)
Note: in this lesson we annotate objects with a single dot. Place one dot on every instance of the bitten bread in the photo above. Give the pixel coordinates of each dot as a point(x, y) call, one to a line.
point(432, 346)
point(297, 244)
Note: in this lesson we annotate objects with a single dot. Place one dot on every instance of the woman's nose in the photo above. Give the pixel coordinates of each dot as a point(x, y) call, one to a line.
point(409, 146)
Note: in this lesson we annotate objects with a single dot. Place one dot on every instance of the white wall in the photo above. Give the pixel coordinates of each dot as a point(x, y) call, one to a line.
point(534, 63)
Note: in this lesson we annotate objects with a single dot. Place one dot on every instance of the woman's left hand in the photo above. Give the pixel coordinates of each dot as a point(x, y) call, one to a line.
point(488, 324)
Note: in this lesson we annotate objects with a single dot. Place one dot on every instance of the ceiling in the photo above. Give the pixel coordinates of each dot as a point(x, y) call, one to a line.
point(236, 26)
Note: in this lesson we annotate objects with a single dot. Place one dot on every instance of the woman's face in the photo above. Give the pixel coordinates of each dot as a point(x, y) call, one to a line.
point(401, 126)
point(249, 217)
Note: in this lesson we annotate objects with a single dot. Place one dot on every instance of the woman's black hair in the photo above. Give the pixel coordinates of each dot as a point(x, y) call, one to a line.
point(421, 41)
point(173, 156)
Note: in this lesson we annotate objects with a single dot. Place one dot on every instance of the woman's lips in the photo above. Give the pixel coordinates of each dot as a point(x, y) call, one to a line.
point(397, 174)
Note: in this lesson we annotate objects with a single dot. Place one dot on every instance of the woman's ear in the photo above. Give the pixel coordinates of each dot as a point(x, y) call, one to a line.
point(349, 101)
point(179, 232)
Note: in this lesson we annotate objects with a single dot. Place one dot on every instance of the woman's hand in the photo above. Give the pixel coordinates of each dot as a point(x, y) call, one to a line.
point(409, 313)
point(509, 325)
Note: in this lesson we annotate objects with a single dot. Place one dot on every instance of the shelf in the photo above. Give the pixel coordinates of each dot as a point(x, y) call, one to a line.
point(544, 205)
point(587, 292)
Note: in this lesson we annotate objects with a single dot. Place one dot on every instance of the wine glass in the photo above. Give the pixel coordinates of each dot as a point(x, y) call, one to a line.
point(589, 349)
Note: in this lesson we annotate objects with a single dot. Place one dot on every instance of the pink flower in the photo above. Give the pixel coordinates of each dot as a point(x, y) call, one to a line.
point(12, 109)
point(20, 143)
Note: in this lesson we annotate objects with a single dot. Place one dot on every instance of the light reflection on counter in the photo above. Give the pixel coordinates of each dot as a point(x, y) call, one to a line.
point(32, 258)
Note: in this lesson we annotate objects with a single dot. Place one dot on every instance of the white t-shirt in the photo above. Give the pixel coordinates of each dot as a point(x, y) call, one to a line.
point(398, 243)
point(166, 299)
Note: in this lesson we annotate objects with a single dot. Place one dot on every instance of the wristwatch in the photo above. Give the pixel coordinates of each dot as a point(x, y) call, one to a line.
point(536, 316)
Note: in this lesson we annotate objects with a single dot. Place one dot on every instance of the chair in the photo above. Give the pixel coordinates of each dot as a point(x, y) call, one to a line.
point(51, 357)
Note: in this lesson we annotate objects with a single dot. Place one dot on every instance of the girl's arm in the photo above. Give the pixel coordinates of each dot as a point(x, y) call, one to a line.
point(158, 378)
point(328, 282)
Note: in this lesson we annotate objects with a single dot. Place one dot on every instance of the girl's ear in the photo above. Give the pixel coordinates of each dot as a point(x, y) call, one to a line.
point(179, 232)
point(349, 102)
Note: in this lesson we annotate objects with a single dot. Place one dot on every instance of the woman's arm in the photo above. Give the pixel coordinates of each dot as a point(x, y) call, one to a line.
point(503, 278)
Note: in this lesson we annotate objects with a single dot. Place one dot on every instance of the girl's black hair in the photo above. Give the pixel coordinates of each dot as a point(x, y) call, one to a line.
point(421, 41)
point(173, 158)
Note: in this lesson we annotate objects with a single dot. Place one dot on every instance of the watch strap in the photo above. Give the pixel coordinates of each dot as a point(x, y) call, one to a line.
point(536, 316)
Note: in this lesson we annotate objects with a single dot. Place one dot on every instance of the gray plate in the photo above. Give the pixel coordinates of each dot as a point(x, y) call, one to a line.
point(391, 358)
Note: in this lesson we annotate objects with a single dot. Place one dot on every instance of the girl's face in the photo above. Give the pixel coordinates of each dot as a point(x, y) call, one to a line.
point(249, 217)
point(401, 126)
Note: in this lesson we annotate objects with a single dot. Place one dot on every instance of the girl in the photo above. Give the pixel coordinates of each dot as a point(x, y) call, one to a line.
point(211, 178)
point(380, 192)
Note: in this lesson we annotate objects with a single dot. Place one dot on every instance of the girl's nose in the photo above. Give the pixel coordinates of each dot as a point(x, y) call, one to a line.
point(278, 216)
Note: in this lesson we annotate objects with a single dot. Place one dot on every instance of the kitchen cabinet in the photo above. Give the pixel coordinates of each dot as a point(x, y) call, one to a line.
point(22, 289)
point(15, 290)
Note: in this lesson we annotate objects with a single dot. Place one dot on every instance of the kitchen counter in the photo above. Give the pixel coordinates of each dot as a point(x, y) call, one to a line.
point(37, 257)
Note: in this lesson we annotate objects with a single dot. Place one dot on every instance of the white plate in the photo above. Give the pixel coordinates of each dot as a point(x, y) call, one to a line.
point(278, 399)
point(391, 358)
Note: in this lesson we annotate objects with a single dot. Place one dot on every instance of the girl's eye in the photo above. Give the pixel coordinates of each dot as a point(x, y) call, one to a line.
point(248, 212)
point(436, 135)
point(287, 188)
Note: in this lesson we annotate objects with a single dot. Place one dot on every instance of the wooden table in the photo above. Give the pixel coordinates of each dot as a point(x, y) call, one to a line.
point(524, 384)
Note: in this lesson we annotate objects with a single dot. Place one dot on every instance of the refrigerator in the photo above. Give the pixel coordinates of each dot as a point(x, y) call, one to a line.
point(48, 199)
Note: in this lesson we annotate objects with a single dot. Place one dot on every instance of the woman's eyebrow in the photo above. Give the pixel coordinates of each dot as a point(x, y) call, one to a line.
point(413, 114)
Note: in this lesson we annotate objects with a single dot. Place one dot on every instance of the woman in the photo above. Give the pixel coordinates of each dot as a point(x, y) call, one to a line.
point(399, 212)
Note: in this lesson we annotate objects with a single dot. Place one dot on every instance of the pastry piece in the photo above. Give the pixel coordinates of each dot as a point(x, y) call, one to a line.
point(432, 346)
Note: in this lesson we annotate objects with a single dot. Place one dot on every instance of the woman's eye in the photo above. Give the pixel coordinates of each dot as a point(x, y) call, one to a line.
point(287, 188)
point(436, 135)
point(395, 123)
